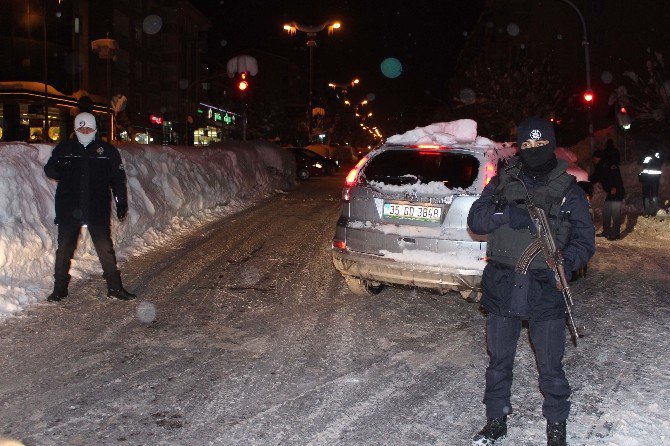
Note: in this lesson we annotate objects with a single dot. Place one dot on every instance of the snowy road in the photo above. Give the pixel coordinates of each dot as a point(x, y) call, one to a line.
point(256, 341)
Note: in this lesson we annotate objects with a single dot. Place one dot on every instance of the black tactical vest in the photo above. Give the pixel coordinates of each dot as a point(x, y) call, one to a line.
point(505, 245)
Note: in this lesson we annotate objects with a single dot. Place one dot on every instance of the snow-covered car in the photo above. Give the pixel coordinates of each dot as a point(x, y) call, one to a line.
point(404, 212)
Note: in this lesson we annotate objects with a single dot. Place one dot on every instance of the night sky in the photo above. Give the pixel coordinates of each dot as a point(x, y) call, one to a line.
point(426, 36)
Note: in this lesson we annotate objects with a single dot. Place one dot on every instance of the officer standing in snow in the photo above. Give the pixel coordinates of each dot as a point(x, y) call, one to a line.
point(509, 296)
point(86, 168)
point(608, 174)
point(650, 177)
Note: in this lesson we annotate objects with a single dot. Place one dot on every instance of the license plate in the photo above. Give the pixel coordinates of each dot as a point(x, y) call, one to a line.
point(412, 212)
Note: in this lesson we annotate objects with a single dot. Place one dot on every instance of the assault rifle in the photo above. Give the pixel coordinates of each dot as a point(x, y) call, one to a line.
point(545, 243)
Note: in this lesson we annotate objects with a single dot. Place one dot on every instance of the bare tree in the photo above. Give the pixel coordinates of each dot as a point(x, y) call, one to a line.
point(499, 95)
point(646, 96)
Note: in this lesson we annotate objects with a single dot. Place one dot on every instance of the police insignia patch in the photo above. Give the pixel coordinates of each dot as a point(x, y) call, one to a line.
point(535, 134)
point(100, 150)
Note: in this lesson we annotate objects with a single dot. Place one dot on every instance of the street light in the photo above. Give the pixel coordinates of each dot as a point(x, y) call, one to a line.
point(344, 86)
point(585, 44)
point(292, 28)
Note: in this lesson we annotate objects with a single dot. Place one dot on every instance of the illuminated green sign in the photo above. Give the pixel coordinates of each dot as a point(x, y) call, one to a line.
point(217, 116)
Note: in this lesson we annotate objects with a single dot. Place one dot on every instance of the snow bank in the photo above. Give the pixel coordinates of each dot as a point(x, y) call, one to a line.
point(170, 189)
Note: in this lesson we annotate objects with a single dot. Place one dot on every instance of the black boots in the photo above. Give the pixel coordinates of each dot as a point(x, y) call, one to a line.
point(115, 288)
point(120, 294)
point(556, 434)
point(60, 288)
point(495, 429)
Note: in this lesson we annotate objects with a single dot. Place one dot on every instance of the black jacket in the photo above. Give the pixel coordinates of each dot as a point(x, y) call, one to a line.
point(544, 301)
point(607, 173)
point(85, 176)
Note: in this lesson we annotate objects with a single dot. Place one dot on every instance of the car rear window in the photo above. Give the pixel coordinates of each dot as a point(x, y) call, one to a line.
point(400, 167)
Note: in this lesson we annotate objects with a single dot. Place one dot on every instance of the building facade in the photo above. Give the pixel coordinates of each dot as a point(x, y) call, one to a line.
point(154, 59)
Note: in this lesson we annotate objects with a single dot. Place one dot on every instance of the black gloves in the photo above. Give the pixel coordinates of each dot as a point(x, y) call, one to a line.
point(121, 210)
point(520, 218)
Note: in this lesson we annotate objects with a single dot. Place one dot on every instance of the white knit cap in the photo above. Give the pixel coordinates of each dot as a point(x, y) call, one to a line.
point(85, 120)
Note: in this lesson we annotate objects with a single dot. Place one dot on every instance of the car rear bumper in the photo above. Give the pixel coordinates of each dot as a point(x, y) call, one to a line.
point(389, 271)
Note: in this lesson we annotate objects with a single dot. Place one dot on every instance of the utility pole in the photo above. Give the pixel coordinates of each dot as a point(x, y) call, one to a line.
point(587, 64)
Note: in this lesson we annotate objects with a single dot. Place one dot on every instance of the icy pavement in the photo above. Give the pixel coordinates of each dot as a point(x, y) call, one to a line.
point(246, 335)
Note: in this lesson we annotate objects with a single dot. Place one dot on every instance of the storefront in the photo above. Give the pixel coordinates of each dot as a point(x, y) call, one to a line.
point(215, 124)
point(24, 108)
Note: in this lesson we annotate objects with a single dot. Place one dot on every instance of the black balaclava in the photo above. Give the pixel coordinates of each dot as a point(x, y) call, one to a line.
point(537, 160)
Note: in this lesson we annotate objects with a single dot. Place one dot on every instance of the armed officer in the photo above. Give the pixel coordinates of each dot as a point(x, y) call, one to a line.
point(510, 297)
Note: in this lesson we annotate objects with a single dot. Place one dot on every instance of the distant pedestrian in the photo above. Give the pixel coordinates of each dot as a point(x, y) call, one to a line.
point(510, 296)
point(608, 174)
point(86, 168)
point(650, 177)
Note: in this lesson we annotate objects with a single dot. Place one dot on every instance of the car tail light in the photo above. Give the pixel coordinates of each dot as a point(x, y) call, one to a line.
point(346, 194)
point(428, 146)
point(425, 152)
point(489, 172)
point(352, 177)
point(339, 244)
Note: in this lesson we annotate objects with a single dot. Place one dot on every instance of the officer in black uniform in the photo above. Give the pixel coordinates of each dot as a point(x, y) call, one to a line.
point(510, 297)
point(608, 174)
point(650, 177)
point(86, 168)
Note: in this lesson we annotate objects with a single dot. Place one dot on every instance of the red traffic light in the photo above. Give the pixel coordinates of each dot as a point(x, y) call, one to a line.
point(243, 84)
point(588, 97)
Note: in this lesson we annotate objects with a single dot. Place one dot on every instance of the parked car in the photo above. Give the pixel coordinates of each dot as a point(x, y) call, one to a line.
point(320, 165)
point(338, 154)
point(404, 219)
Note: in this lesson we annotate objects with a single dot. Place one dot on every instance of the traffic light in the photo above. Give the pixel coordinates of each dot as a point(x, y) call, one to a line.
point(243, 83)
point(588, 97)
point(623, 117)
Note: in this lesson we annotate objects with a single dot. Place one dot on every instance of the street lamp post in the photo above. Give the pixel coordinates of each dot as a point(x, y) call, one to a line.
point(45, 124)
point(311, 32)
point(341, 91)
point(106, 49)
point(585, 44)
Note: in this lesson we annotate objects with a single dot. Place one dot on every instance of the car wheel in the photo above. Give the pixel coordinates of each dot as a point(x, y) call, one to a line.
point(471, 295)
point(362, 287)
point(303, 174)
